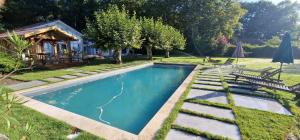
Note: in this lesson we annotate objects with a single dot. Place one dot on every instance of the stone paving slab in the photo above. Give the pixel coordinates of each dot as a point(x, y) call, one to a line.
point(53, 79)
point(25, 85)
point(260, 103)
point(179, 135)
point(248, 91)
point(209, 125)
point(212, 96)
point(74, 70)
point(240, 86)
point(90, 72)
point(80, 74)
point(68, 76)
point(208, 82)
point(207, 87)
point(209, 79)
point(204, 109)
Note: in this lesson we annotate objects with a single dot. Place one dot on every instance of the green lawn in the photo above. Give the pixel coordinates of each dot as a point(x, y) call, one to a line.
point(43, 127)
point(253, 124)
point(44, 74)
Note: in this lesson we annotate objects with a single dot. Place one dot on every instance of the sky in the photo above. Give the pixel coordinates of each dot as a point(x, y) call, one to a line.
point(274, 1)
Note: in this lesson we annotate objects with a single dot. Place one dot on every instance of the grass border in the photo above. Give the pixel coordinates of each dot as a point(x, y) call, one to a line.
point(204, 102)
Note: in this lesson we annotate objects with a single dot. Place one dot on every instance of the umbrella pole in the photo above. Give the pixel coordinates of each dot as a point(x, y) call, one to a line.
point(280, 71)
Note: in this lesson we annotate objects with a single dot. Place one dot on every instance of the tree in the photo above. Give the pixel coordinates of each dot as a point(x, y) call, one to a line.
point(202, 22)
point(75, 12)
point(150, 34)
point(171, 38)
point(265, 20)
point(114, 29)
point(18, 13)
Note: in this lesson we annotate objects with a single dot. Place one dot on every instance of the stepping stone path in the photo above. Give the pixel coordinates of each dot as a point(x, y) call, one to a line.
point(216, 126)
point(25, 85)
point(54, 79)
point(203, 124)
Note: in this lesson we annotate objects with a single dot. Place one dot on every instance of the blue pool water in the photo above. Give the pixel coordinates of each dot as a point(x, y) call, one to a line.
point(127, 101)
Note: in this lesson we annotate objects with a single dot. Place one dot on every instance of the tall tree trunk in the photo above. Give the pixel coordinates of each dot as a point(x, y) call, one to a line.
point(167, 55)
point(149, 53)
point(118, 56)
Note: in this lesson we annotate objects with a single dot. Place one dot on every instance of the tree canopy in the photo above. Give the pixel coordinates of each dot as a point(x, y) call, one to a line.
point(265, 20)
point(114, 29)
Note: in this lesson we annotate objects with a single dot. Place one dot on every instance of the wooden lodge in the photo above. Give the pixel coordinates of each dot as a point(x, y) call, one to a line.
point(53, 43)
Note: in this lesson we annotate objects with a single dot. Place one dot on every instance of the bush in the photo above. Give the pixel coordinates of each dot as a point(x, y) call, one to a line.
point(7, 63)
point(257, 51)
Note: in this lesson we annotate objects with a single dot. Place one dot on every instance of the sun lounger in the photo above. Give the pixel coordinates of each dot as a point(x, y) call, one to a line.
point(255, 70)
point(278, 86)
point(264, 76)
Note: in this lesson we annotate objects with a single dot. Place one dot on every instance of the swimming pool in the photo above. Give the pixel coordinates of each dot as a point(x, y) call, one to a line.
point(126, 101)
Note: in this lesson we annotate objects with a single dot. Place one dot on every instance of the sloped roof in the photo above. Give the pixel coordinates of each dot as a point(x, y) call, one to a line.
point(40, 28)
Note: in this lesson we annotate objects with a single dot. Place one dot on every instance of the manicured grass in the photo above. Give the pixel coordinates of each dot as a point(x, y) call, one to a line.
point(43, 127)
point(44, 74)
point(261, 125)
point(41, 75)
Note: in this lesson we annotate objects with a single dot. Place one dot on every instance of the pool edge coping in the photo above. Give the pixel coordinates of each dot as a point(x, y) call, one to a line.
point(101, 129)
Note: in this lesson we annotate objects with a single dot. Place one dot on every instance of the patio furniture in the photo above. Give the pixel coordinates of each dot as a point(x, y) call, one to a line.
point(229, 61)
point(264, 76)
point(275, 85)
point(254, 70)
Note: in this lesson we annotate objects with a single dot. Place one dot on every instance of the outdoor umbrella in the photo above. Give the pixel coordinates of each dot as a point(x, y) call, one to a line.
point(284, 53)
point(238, 52)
